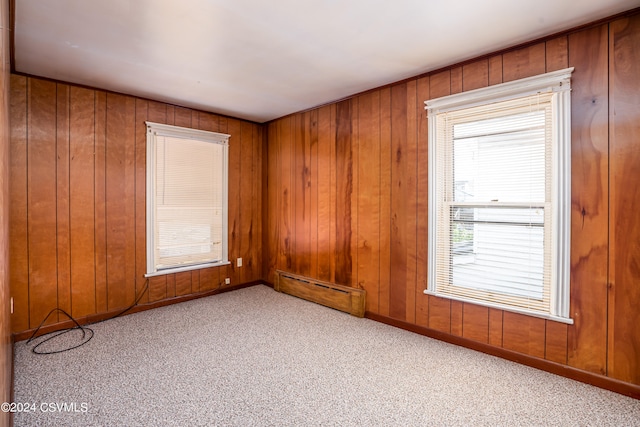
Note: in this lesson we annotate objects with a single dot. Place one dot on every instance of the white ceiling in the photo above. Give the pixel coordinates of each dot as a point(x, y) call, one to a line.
point(260, 60)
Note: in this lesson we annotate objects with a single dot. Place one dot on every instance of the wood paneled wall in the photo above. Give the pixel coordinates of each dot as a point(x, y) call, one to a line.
point(78, 201)
point(6, 348)
point(347, 200)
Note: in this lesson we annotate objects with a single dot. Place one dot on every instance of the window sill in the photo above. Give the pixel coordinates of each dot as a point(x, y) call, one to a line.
point(186, 268)
point(524, 311)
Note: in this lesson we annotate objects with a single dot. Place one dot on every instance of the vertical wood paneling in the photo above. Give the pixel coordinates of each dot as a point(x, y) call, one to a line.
point(100, 207)
point(195, 119)
point(353, 238)
point(440, 314)
point(302, 196)
point(456, 80)
point(170, 286)
point(456, 318)
point(344, 188)
point(206, 279)
point(246, 194)
point(207, 121)
point(411, 157)
point(18, 245)
point(285, 195)
point(234, 128)
point(422, 206)
point(312, 137)
point(158, 286)
point(142, 113)
point(556, 342)
point(325, 253)
point(182, 117)
point(333, 190)
point(6, 346)
point(41, 199)
point(475, 75)
point(475, 322)
point(369, 197)
point(525, 62)
point(385, 200)
point(524, 334)
point(557, 53)
point(171, 115)
point(258, 191)
point(62, 199)
point(589, 194)
point(495, 327)
point(223, 124)
point(82, 194)
point(624, 225)
point(495, 70)
point(297, 207)
point(400, 188)
point(440, 85)
point(183, 283)
point(120, 207)
point(195, 281)
point(270, 206)
point(274, 214)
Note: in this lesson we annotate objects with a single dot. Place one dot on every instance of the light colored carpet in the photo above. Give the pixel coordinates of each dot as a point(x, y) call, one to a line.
point(254, 357)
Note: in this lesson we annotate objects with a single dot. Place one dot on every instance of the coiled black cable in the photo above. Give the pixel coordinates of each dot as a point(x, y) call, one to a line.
point(87, 333)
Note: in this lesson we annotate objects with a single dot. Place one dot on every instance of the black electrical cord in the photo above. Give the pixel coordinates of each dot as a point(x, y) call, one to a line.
point(87, 333)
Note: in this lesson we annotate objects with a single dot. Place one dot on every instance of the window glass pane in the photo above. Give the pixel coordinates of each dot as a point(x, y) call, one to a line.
point(500, 159)
point(189, 231)
point(501, 258)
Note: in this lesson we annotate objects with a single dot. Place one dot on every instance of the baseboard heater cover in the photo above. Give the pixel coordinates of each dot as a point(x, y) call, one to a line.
point(343, 298)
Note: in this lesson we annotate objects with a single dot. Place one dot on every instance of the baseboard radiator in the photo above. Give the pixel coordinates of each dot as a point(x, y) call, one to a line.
point(343, 298)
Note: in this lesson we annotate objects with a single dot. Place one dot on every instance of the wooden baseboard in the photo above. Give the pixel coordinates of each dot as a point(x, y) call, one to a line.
point(94, 318)
point(601, 381)
point(343, 298)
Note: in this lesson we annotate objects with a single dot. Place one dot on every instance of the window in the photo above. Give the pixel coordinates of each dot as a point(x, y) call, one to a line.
point(499, 196)
point(186, 199)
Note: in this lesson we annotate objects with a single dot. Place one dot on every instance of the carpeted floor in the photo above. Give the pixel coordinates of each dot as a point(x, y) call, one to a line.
point(254, 357)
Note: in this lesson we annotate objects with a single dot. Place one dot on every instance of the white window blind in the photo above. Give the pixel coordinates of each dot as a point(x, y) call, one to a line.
point(186, 198)
point(498, 198)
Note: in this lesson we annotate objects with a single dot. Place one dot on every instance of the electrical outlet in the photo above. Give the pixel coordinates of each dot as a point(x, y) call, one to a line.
point(227, 281)
point(239, 262)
